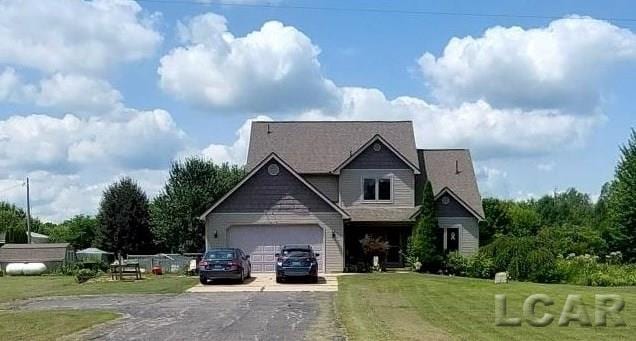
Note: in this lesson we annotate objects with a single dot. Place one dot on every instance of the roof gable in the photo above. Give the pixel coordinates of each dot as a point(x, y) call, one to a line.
point(285, 191)
point(386, 157)
point(321, 146)
point(451, 170)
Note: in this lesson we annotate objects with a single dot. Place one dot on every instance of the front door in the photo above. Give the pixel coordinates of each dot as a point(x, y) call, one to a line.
point(452, 239)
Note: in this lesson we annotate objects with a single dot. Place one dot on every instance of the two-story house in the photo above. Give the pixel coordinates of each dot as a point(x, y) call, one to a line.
point(328, 184)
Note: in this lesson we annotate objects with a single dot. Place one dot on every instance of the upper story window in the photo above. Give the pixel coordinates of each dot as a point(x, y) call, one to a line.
point(376, 189)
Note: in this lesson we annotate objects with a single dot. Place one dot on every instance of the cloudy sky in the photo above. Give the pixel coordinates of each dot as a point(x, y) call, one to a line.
point(92, 91)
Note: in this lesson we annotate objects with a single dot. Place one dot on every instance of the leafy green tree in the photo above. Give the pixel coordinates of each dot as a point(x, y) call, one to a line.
point(524, 220)
point(622, 201)
point(497, 222)
point(11, 217)
point(193, 185)
point(423, 243)
point(16, 235)
point(124, 219)
point(79, 231)
point(571, 207)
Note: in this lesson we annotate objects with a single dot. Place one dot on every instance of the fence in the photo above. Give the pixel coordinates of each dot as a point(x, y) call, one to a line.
point(169, 263)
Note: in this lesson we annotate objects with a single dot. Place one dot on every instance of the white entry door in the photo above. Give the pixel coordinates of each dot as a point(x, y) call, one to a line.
point(262, 242)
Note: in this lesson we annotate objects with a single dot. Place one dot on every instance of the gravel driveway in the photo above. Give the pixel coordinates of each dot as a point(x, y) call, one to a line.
point(215, 316)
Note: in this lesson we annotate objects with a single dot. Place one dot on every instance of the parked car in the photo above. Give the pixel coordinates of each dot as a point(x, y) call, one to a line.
point(297, 261)
point(224, 263)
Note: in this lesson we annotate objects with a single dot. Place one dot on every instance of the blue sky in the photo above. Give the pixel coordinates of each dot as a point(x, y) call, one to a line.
point(98, 90)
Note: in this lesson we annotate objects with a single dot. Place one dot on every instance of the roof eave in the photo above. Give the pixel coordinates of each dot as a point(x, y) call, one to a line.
point(359, 151)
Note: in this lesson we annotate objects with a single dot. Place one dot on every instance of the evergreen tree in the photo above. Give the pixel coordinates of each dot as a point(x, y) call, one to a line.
point(424, 243)
point(192, 187)
point(124, 219)
point(622, 202)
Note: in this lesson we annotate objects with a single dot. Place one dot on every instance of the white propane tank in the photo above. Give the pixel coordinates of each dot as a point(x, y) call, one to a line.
point(33, 269)
point(14, 269)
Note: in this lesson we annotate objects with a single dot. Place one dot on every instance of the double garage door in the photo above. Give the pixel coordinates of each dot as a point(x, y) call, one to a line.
point(262, 242)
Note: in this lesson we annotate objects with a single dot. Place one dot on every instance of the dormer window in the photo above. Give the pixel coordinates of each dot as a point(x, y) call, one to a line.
point(377, 189)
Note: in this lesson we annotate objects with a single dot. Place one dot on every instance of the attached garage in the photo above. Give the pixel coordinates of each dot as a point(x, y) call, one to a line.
point(274, 206)
point(262, 242)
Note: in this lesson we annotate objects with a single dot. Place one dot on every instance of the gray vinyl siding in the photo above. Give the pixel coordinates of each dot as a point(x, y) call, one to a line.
point(264, 192)
point(382, 159)
point(351, 186)
point(469, 232)
point(453, 209)
point(329, 222)
point(327, 184)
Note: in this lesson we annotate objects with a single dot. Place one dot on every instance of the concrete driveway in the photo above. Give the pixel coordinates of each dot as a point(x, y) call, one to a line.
point(266, 282)
point(212, 316)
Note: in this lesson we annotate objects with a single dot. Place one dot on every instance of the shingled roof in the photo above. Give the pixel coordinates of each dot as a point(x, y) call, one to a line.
point(54, 252)
point(321, 146)
point(453, 169)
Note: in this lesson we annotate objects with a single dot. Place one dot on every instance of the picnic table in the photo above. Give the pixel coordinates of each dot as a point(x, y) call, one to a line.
point(126, 268)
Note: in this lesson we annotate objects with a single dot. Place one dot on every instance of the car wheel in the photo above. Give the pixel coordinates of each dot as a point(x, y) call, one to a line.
point(242, 279)
point(314, 279)
point(279, 279)
point(204, 280)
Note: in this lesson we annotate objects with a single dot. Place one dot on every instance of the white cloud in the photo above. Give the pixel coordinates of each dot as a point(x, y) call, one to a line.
point(236, 153)
point(56, 197)
point(12, 88)
point(487, 131)
point(274, 68)
point(558, 66)
point(77, 93)
point(493, 182)
point(133, 139)
point(74, 35)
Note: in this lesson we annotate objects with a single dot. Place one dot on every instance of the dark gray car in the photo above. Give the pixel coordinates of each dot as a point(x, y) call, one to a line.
point(224, 263)
point(297, 261)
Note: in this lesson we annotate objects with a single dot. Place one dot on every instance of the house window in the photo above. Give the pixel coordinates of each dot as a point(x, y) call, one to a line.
point(369, 189)
point(376, 189)
point(384, 189)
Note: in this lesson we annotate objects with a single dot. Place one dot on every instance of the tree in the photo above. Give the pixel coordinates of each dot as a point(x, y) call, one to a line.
point(11, 217)
point(423, 243)
point(16, 235)
point(497, 222)
point(79, 231)
point(124, 219)
point(622, 201)
point(571, 207)
point(191, 188)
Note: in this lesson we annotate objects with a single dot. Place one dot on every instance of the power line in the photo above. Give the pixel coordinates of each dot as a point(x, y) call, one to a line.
point(11, 187)
point(378, 10)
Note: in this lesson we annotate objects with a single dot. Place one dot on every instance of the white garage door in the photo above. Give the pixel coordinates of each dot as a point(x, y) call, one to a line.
point(262, 242)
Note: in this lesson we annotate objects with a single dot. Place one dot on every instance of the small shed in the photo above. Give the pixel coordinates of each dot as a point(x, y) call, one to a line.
point(94, 254)
point(52, 255)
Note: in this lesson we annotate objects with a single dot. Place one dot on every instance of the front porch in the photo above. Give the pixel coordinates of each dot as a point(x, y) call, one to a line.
point(396, 234)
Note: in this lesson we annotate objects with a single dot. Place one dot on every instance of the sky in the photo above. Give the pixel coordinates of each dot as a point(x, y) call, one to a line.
point(541, 92)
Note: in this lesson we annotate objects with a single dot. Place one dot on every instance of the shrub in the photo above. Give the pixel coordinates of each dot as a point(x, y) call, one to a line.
point(481, 266)
point(84, 275)
point(586, 270)
point(524, 258)
point(457, 264)
point(374, 247)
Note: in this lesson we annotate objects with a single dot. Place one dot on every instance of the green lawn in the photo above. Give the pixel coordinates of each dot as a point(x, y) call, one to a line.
point(20, 287)
point(416, 307)
point(48, 325)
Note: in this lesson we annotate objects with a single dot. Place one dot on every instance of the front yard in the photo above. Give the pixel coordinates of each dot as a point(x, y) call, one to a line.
point(417, 307)
point(51, 324)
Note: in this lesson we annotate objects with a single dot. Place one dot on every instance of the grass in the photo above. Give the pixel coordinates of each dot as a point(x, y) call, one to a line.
point(49, 325)
point(416, 307)
point(16, 288)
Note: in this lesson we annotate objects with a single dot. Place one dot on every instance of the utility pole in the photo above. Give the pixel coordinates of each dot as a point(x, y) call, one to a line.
point(28, 217)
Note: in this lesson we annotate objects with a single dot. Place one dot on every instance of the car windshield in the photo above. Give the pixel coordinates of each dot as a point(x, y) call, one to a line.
point(296, 253)
point(220, 254)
